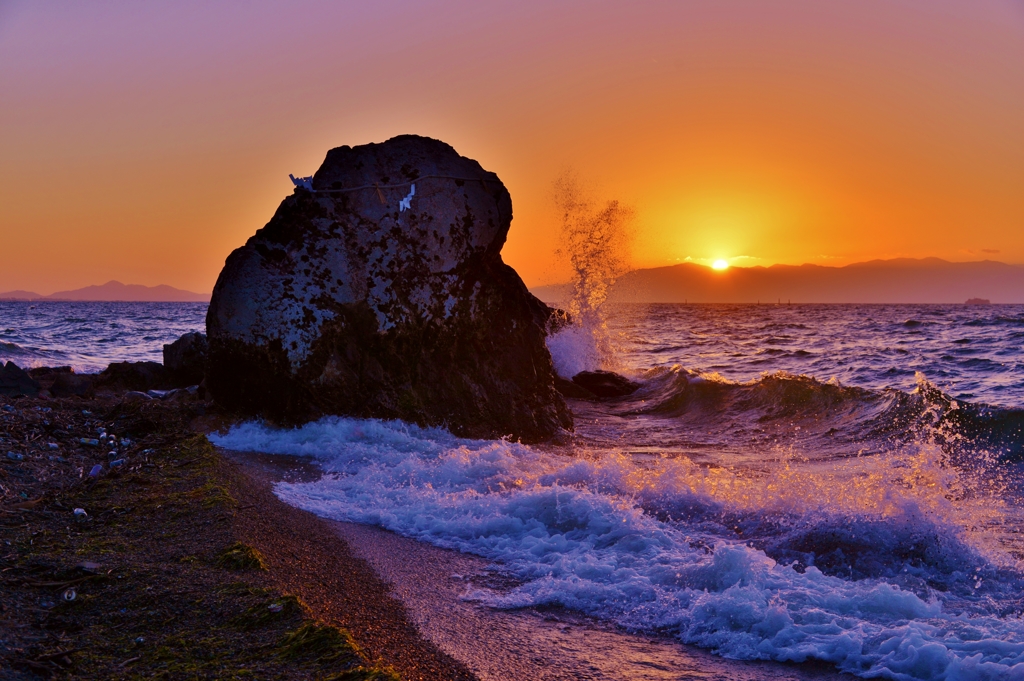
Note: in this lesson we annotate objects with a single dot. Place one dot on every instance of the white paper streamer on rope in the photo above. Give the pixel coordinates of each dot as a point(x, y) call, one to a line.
point(406, 203)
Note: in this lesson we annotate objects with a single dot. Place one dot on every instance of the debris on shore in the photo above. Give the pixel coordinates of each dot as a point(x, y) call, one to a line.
point(115, 517)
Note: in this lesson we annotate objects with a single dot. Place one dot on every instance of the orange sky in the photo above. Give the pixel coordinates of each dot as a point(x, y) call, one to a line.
point(144, 141)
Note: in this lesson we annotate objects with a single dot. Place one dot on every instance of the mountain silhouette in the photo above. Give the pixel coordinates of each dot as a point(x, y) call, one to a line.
point(115, 291)
point(902, 280)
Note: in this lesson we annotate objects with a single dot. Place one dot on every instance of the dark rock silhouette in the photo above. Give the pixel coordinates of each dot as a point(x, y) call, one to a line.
point(63, 381)
point(570, 389)
point(185, 358)
point(135, 376)
point(605, 383)
point(366, 296)
point(72, 385)
point(15, 382)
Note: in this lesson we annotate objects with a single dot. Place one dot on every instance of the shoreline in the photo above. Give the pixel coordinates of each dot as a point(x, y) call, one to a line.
point(395, 598)
point(311, 560)
point(431, 585)
point(542, 644)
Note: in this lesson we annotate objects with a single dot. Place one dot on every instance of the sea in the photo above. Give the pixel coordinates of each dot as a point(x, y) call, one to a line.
point(88, 336)
point(810, 484)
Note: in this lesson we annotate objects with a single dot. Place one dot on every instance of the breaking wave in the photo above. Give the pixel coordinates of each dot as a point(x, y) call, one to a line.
point(842, 414)
point(884, 565)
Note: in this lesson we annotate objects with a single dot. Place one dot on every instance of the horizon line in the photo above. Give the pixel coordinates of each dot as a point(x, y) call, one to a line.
point(4, 295)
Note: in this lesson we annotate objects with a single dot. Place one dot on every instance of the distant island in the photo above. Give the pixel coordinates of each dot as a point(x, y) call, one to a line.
point(903, 280)
point(113, 291)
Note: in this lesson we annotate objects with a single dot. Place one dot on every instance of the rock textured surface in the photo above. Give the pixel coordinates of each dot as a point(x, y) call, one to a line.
point(382, 293)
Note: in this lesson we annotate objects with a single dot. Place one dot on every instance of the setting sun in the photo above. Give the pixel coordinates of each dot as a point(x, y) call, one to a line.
point(720, 264)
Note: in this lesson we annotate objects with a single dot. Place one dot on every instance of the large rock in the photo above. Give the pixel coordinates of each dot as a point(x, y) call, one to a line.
point(185, 358)
point(367, 297)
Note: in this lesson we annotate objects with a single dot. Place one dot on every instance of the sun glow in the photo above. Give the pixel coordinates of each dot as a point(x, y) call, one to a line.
point(720, 264)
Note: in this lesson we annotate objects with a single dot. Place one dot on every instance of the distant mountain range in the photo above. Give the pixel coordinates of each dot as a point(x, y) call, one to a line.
point(115, 291)
point(903, 280)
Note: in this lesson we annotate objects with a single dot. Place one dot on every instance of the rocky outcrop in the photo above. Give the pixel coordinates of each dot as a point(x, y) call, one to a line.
point(380, 291)
point(63, 381)
point(15, 382)
point(135, 376)
point(185, 358)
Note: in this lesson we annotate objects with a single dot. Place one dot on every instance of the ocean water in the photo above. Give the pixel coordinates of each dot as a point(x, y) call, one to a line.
point(89, 336)
point(832, 483)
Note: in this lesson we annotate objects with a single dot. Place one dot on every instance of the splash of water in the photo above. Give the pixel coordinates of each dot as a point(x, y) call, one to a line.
point(594, 242)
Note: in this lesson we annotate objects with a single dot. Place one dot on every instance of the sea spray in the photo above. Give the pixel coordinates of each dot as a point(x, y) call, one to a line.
point(594, 242)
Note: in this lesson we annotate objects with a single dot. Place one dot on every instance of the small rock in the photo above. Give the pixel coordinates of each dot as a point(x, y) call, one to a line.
point(15, 456)
point(14, 382)
point(96, 470)
point(570, 389)
point(161, 394)
point(185, 358)
point(80, 513)
point(89, 441)
point(72, 385)
point(605, 383)
point(135, 376)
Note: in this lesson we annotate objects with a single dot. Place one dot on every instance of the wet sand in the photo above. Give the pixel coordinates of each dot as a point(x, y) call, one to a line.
point(310, 560)
point(498, 645)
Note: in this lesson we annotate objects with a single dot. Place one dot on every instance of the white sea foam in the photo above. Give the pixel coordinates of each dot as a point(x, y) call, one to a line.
point(575, 349)
point(650, 545)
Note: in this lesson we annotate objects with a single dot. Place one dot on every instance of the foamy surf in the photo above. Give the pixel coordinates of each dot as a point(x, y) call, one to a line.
point(714, 557)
